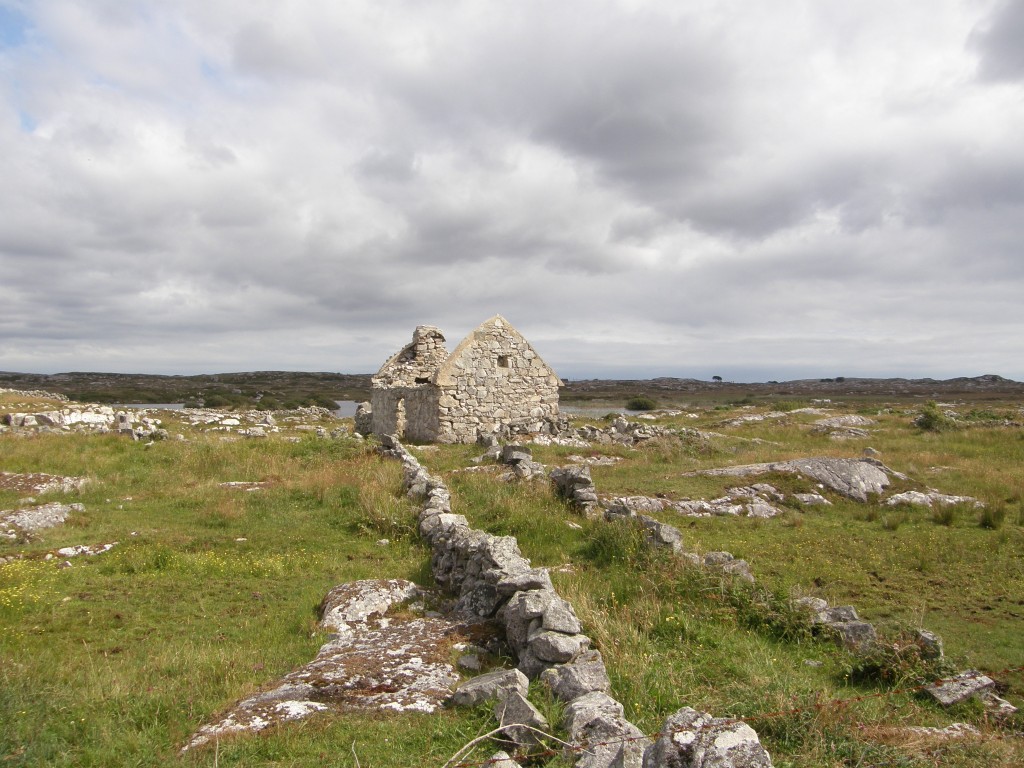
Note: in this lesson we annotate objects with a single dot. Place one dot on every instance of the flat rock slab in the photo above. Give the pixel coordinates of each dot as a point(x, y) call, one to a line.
point(956, 689)
point(39, 482)
point(854, 478)
point(31, 519)
point(397, 663)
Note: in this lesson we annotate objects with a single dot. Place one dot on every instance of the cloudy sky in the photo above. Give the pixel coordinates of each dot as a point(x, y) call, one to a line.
point(802, 188)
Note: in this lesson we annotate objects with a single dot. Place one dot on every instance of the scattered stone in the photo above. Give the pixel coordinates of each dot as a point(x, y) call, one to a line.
point(930, 644)
point(950, 732)
point(751, 418)
point(857, 636)
point(85, 549)
point(244, 485)
point(996, 706)
point(594, 461)
point(502, 760)
point(811, 499)
point(847, 420)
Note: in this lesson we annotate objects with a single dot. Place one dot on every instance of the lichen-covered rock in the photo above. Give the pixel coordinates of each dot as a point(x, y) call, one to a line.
point(692, 739)
point(19, 522)
point(557, 647)
point(584, 674)
point(486, 687)
point(956, 689)
point(600, 735)
point(375, 661)
point(854, 478)
point(513, 712)
point(858, 636)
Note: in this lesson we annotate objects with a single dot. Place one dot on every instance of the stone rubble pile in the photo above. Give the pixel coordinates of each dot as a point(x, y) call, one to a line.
point(490, 577)
point(91, 419)
point(621, 432)
point(842, 622)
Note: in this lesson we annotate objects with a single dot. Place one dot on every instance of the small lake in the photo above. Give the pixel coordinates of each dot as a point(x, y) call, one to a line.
point(346, 408)
point(594, 410)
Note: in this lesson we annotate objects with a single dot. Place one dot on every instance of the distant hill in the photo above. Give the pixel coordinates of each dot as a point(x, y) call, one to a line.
point(275, 389)
point(268, 389)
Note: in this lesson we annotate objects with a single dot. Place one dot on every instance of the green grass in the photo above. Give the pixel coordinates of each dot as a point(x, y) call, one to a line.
point(212, 592)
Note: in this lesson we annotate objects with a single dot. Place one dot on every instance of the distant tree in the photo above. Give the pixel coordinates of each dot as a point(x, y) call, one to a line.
point(716, 378)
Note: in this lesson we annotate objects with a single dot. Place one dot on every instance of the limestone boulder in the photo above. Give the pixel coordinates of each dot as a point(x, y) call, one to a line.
point(692, 739)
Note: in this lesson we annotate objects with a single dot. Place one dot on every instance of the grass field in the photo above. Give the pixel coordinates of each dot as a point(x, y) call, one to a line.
point(211, 592)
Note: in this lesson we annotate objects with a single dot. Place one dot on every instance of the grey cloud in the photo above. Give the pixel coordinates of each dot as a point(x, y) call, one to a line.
point(662, 191)
point(997, 40)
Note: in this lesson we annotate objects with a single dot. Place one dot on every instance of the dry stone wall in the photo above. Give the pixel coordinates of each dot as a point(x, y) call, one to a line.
point(490, 577)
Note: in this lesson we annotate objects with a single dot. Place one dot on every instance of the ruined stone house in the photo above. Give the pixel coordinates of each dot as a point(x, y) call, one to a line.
point(494, 382)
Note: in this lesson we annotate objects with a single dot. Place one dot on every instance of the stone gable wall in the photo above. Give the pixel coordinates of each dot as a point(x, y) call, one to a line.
point(494, 379)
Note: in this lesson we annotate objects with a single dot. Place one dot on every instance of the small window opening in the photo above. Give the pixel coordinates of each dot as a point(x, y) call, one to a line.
point(422, 379)
point(503, 361)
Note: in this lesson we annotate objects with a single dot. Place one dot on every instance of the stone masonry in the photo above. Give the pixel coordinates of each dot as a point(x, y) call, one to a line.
point(493, 383)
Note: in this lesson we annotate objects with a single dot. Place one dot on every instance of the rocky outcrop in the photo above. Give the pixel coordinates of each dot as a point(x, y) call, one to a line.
point(372, 661)
point(854, 478)
point(757, 500)
point(930, 498)
point(40, 482)
point(17, 523)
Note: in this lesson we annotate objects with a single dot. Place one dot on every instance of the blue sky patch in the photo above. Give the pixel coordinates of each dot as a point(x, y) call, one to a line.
point(12, 27)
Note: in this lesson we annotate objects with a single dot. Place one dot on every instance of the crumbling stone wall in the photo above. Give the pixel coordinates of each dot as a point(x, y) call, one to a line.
point(404, 400)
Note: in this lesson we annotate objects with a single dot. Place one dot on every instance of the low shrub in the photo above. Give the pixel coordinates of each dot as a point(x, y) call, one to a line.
point(932, 419)
point(899, 661)
point(641, 403)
